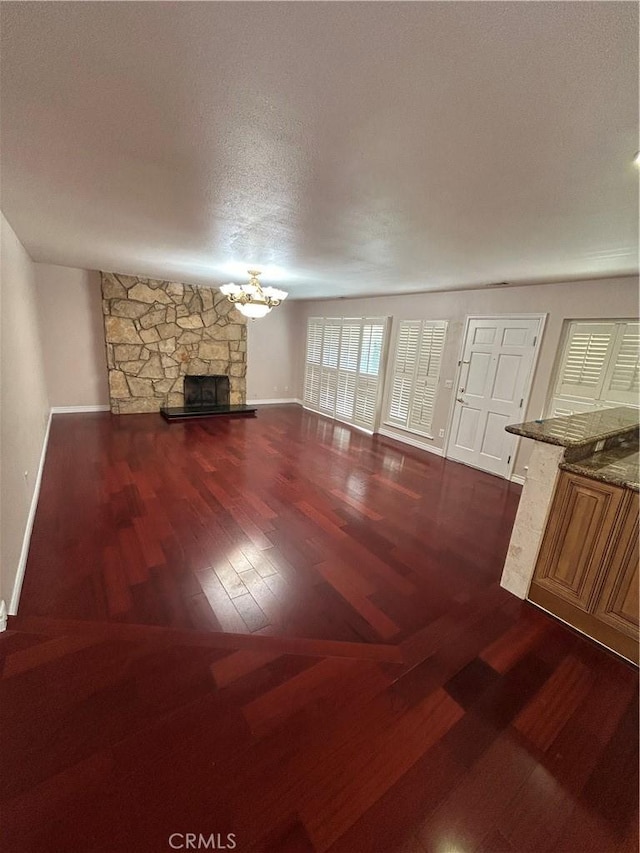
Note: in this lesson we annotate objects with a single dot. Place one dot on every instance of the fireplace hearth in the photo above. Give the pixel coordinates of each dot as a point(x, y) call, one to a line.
point(206, 396)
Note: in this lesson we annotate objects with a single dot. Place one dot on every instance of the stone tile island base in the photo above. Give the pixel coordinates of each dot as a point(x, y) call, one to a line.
point(531, 518)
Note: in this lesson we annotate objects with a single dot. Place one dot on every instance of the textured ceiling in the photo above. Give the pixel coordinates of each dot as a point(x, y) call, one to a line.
point(344, 148)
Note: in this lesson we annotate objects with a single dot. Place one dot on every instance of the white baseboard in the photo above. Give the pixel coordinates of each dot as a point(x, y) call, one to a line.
point(406, 439)
point(516, 478)
point(68, 410)
point(26, 540)
point(277, 401)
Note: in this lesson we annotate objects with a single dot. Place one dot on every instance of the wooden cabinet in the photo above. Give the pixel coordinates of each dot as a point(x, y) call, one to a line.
point(617, 602)
point(587, 568)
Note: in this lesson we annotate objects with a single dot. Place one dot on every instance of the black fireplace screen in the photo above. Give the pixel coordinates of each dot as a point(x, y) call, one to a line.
point(201, 391)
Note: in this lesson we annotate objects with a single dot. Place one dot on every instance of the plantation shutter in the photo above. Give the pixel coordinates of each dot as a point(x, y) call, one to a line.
point(346, 395)
point(328, 373)
point(348, 366)
point(312, 385)
point(331, 344)
point(585, 360)
point(621, 385)
point(404, 366)
point(314, 340)
point(427, 375)
point(415, 375)
point(314, 357)
point(598, 367)
point(328, 385)
point(368, 383)
point(371, 351)
point(350, 344)
point(366, 401)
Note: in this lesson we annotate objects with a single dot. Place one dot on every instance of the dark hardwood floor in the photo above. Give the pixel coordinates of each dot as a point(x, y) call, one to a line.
point(290, 631)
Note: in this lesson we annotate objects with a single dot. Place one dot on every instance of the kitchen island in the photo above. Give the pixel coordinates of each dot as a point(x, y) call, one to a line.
point(574, 544)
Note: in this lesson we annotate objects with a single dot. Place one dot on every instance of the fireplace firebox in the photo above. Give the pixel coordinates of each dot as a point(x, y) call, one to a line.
point(205, 397)
point(202, 391)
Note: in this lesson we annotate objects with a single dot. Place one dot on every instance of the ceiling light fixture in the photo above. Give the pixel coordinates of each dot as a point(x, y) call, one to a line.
point(636, 159)
point(252, 299)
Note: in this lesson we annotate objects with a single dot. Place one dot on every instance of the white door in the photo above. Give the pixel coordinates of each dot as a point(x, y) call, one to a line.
point(495, 376)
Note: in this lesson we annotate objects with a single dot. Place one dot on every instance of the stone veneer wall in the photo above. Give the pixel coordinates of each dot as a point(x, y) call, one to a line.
point(159, 331)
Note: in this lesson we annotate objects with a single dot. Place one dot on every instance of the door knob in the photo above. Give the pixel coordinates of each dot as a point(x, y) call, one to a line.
point(459, 399)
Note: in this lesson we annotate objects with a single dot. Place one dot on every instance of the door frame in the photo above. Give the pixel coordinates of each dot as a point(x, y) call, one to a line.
point(542, 321)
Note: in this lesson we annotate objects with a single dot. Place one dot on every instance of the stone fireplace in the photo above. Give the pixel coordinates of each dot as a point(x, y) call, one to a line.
point(159, 332)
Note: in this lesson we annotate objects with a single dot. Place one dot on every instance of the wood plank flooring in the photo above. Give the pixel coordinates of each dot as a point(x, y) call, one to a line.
point(290, 631)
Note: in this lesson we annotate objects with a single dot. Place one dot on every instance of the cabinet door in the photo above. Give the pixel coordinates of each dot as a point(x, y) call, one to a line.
point(579, 528)
point(617, 603)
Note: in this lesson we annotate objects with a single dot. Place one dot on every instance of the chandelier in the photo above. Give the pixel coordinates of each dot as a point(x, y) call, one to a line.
point(252, 299)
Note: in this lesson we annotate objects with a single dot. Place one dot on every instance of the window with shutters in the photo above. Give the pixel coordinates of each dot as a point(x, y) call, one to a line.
point(414, 375)
point(342, 371)
point(597, 367)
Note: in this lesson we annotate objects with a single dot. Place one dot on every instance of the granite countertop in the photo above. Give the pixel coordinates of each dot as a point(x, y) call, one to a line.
point(618, 465)
point(578, 430)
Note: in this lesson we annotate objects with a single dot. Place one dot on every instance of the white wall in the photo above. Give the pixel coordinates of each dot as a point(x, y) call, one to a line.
point(615, 297)
point(71, 328)
point(273, 357)
point(24, 405)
